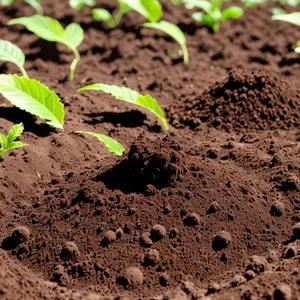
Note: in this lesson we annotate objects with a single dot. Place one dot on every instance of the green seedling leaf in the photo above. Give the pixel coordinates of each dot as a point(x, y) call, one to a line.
point(80, 4)
point(297, 49)
point(9, 142)
point(111, 144)
point(233, 12)
point(203, 4)
point(36, 4)
point(13, 54)
point(278, 11)
point(100, 14)
point(51, 30)
point(6, 2)
point(34, 97)
point(150, 9)
point(293, 18)
point(175, 32)
point(131, 96)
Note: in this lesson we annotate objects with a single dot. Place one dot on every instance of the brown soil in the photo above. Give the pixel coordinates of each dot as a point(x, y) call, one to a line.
point(205, 211)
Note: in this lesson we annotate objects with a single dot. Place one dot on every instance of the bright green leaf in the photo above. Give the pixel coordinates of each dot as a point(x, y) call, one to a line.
point(80, 4)
point(9, 142)
point(293, 18)
point(111, 144)
point(6, 2)
point(12, 53)
point(175, 32)
point(232, 12)
point(131, 96)
point(36, 4)
point(51, 30)
point(150, 9)
point(203, 4)
point(34, 97)
point(100, 14)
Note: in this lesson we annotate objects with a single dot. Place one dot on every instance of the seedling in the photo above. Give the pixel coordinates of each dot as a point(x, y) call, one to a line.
point(80, 4)
point(131, 96)
point(293, 18)
point(12, 53)
point(213, 14)
point(36, 4)
point(111, 144)
point(175, 32)
point(9, 142)
point(34, 97)
point(151, 10)
point(51, 30)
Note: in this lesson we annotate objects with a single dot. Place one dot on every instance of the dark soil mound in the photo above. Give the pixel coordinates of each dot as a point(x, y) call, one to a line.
point(81, 233)
point(148, 165)
point(244, 100)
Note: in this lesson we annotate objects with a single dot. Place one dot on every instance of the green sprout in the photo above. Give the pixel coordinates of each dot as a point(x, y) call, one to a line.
point(13, 54)
point(36, 4)
point(152, 11)
point(9, 142)
point(213, 14)
point(51, 30)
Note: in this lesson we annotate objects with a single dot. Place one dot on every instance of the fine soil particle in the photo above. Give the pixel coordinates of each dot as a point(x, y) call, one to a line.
point(207, 210)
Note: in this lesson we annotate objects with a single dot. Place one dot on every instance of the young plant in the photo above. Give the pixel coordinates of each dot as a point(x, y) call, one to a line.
point(80, 4)
point(51, 30)
point(149, 9)
point(36, 4)
point(292, 18)
point(9, 142)
point(112, 145)
point(13, 54)
point(213, 14)
point(175, 32)
point(34, 97)
point(131, 96)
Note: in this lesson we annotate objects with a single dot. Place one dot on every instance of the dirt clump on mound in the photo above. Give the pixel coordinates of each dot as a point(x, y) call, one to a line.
point(242, 100)
point(147, 164)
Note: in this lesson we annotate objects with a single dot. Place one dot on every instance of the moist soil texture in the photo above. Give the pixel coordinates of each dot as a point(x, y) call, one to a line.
point(206, 210)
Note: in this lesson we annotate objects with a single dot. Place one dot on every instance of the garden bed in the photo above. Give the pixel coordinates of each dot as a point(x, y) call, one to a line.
point(223, 183)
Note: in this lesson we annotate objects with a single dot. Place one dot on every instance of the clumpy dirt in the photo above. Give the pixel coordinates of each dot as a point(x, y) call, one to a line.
point(208, 210)
point(243, 100)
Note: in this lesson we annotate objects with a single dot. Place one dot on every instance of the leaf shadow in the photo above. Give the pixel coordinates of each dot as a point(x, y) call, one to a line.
point(133, 118)
point(16, 115)
point(46, 51)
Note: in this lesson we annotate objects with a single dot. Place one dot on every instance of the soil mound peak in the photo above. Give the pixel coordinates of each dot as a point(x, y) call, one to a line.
point(148, 164)
point(244, 100)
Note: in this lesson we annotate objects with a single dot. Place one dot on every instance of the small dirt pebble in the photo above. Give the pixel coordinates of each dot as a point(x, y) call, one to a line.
point(133, 277)
point(258, 264)
point(21, 234)
point(158, 232)
point(238, 280)
point(221, 240)
point(173, 233)
point(70, 250)
point(145, 239)
point(283, 292)
point(151, 257)
point(249, 274)
point(192, 219)
point(164, 279)
point(214, 207)
point(109, 237)
point(290, 251)
point(119, 232)
point(277, 209)
point(213, 288)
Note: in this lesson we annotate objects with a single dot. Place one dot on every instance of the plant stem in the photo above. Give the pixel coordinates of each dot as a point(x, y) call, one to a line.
point(185, 54)
point(24, 73)
point(74, 63)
